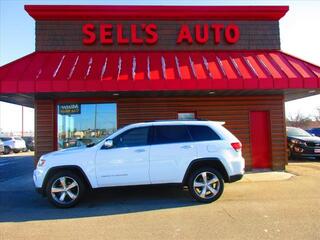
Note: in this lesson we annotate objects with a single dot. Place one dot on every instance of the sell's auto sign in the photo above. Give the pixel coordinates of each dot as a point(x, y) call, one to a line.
point(108, 34)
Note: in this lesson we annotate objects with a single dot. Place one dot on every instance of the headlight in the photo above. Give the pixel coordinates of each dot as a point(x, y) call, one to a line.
point(41, 162)
point(297, 141)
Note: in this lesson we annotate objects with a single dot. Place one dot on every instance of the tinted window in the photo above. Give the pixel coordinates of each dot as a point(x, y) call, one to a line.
point(133, 137)
point(27, 138)
point(297, 132)
point(171, 134)
point(5, 139)
point(202, 133)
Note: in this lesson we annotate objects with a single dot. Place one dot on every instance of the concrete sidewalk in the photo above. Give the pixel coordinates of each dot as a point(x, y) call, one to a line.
point(267, 176)
point(20, 154)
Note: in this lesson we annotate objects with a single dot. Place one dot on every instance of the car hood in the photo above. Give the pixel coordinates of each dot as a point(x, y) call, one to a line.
point(66, 151)
point(308, 139)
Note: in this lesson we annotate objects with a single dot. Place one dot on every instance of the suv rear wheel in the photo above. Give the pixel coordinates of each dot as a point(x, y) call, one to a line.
point(65, 189)
point(206, 185)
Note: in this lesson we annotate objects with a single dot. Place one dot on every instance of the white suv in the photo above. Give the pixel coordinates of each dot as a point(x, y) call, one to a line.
point(201, 155)
point(15, 144)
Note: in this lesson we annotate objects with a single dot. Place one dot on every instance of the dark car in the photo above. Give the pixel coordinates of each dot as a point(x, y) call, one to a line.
point(1, 147)
point(75, 142)
point(314, 131)
point(302, 144)
point(29, 143)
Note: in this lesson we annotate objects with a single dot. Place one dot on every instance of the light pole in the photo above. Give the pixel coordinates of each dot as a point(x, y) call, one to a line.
point(22, 130)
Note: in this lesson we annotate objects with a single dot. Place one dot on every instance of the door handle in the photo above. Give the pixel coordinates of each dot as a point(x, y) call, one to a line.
point(186, 146)
point(140, 150)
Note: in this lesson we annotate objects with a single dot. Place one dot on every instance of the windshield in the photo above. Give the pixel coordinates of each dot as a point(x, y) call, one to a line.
point(297, 132)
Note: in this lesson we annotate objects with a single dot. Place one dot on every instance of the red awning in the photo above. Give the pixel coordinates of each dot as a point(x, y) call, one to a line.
point(42, 72)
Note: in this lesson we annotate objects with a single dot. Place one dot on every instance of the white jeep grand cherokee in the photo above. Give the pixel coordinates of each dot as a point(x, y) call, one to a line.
point(201, 155)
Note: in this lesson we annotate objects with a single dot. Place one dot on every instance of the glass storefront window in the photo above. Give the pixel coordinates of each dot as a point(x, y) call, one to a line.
point(83, 124)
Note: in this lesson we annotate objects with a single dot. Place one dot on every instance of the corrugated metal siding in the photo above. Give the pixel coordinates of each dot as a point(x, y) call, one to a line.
point(44, 127)
point(233, 110)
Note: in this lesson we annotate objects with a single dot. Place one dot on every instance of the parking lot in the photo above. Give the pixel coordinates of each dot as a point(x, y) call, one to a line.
point(264, 209)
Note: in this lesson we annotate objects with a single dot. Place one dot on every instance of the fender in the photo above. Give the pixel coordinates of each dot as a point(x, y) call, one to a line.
point(52, 170)
point(212, 162)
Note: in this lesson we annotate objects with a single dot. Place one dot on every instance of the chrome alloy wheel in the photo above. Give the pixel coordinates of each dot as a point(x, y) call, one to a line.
point(206, 185)
point(65, 190)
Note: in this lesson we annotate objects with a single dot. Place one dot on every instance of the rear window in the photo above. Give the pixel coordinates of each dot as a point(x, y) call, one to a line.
point(171, 134)
point(27, 138)
point(17, 138)
point(202, 133)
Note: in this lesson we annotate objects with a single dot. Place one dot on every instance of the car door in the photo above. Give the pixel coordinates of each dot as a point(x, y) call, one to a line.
point(171, 152)
point(127, 162)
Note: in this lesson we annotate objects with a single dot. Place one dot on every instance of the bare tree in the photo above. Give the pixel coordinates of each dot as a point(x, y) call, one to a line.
point(298, 120)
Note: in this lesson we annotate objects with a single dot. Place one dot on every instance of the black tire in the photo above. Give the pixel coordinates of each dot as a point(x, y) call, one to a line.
point(16, 151)
point(218, 185)
point(7, 150)
point(69, 177)
point(289, 155)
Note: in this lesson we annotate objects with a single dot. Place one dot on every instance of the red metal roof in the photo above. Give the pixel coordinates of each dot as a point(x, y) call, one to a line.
point(157, 71)
point(125, 12)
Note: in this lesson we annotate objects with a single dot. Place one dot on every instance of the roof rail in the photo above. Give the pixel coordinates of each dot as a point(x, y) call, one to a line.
point(170, 120)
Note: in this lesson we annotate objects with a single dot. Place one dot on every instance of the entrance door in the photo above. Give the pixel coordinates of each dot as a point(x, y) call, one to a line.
point(260, 139)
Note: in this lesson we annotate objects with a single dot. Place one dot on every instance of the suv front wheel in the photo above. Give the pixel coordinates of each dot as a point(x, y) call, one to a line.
point(65, 189)
point(206, 185)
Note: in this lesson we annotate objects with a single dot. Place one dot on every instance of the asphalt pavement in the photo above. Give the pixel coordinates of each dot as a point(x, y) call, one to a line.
point(15, 165)
point(255, 208)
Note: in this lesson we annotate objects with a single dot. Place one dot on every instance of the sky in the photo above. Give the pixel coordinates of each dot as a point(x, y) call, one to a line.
point(299, 34)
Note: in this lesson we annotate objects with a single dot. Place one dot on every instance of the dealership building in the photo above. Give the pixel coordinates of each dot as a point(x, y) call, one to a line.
point(98, 68)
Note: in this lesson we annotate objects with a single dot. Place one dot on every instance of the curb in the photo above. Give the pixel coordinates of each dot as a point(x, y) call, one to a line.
point(267, 176)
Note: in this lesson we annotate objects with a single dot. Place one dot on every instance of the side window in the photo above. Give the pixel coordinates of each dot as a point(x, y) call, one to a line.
point(171, 134)
point(202, 133)
point(133, 137)
point(5, 139)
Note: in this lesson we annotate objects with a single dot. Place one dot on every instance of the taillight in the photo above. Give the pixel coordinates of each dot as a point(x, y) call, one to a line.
point(236, 146)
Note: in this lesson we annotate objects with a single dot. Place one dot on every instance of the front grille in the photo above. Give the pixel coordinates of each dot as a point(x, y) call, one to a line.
point(313, 144)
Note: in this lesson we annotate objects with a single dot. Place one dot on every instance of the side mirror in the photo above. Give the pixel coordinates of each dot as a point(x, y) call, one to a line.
point(108, 143)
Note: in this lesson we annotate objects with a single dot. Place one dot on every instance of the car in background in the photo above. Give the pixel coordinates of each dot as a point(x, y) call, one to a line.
point(75, 142)
point(302, 144)
point(1, 147)
point(29, 143)
point(15, 144)
point(314, 131)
